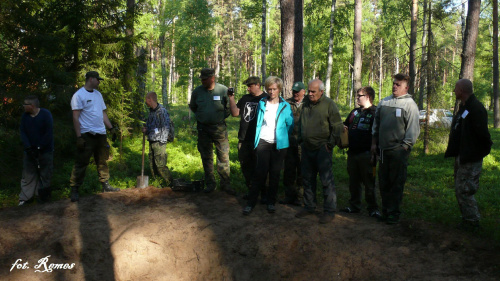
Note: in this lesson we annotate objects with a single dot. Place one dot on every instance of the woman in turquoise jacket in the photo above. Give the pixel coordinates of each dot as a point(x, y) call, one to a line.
point(274, 125)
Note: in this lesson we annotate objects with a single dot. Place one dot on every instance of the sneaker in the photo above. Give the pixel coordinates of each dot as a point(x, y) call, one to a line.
point(326, 217)
point(375, 214)
point(271, 209)
point(247, 210)
point(106, 187)
point(392, 219)
point(21, 203)
point(349, 210)
point(304, 213)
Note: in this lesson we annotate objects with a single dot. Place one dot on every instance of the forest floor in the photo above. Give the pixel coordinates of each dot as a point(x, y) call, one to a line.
point(157, 234)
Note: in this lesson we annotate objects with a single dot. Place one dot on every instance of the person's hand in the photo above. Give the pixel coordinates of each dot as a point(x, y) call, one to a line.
point(113, 132)
point(80, 143)
point(345, 129)
point(327, 149)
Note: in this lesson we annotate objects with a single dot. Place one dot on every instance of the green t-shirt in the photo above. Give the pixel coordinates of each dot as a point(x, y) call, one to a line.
point(210, 107)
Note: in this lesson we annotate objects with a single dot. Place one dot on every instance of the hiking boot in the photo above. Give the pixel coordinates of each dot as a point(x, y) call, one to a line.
point(74, 194)
point(304, 213)
point(375, 214)
point(106, 187)
point(392, 219)
point(247, 210)
point(326, 217)
point(271, 209)
point(349, 210)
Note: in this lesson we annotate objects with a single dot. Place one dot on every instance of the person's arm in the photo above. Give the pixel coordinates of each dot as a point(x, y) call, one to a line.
point(24, 136)
point(192, 103)
point(76, 122)
point(105, 118)
point(413, 127)
point(49, 126)
point(235, 111)
point(375, 132)
point(336, 126)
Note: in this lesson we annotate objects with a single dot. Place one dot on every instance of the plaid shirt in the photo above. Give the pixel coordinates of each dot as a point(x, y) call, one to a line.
point(158, 124)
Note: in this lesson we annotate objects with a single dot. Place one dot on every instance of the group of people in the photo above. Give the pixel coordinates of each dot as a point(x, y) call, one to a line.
point(297, 135)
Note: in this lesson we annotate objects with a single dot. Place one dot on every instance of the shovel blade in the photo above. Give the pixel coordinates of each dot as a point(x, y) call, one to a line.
point(142, 182)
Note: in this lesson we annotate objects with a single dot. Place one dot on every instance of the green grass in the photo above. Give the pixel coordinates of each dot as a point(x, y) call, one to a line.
point(429, 191)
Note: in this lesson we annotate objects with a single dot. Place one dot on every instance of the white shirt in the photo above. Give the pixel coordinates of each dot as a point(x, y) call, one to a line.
point(92, 106)
point(268, 129)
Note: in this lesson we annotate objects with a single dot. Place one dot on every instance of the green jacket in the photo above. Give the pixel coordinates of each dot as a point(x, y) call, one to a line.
point(210, 107)
point(319, 124)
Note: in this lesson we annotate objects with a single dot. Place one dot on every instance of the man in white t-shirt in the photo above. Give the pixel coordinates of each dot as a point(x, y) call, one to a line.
point(90, 121)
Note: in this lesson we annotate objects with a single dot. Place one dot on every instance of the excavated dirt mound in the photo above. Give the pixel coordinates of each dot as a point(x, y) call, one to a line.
point(156, 234)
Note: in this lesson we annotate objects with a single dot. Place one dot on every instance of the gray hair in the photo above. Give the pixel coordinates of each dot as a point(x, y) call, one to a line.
point(321, 84)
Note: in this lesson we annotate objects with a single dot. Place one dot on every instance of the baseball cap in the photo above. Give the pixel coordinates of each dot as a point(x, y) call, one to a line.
point(93, 74)
point(297, 86)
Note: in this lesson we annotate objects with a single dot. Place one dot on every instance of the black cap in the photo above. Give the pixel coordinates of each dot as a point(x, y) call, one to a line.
point(252, 80)
point(93, 74)
point(207, 73)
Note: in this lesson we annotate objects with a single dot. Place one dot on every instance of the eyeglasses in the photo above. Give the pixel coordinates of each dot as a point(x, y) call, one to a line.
point(359, 96)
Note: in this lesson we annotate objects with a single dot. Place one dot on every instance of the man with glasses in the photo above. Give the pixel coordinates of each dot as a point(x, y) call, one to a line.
point(90, 121)
point(360, 162)
point(246, 108)
point(210, 104)
point(38, 141)
point(395, 131)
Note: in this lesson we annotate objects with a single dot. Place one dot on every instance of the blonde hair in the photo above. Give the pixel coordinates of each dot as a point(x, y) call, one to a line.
point(273, 80)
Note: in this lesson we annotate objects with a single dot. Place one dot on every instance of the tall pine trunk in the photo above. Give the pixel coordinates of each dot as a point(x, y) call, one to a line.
point(291, 44)
point(358, 15)
point(413, 45)
point(263, 40)
point(496, 113)
point(423, 60)
point(429, 85)
point(330, 52)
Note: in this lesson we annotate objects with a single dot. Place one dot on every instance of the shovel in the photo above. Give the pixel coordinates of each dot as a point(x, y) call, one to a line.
point(142, 180)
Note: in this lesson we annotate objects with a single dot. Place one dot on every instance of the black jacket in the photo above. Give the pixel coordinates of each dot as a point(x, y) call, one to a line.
point(469, 136)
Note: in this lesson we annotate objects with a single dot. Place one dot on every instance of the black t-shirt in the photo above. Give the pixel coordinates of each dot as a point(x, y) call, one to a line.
point(248, 112)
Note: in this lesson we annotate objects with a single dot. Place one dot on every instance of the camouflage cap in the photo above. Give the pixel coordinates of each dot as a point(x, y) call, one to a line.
point(298, 86)
point(207, 73)
point(93, 74)
point(252, 80)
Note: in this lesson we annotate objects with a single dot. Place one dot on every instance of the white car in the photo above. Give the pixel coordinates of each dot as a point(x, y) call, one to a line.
point(438, 118)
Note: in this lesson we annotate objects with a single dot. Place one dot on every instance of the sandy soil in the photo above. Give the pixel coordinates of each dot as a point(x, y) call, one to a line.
point(156, 234)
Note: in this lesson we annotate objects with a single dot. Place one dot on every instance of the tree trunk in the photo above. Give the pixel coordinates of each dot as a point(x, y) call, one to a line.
point(429, 85)
point(496, 113)
point(413, 45)
point(358, 16)
point(424, 60)
point(291, 44)
point(263, 40)
point(330, 51)
point(381, 74)
point(470, 38)
point(338, 87)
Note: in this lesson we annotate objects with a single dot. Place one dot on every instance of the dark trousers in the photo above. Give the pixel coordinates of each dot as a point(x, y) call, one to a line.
point(269, 161)
point(158, 161)
point(97, 146)
point(392, 178)
point(208, 136)
point(292, 176)
point(246, 156)
point(360, 171)
point(34, 178)
point(316, 162)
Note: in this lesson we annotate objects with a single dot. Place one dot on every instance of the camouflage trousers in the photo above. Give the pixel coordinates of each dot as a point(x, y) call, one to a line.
point(466, 185)
point(292, 176)
point(208, 136)
point(158, 161)
point(96, 146)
